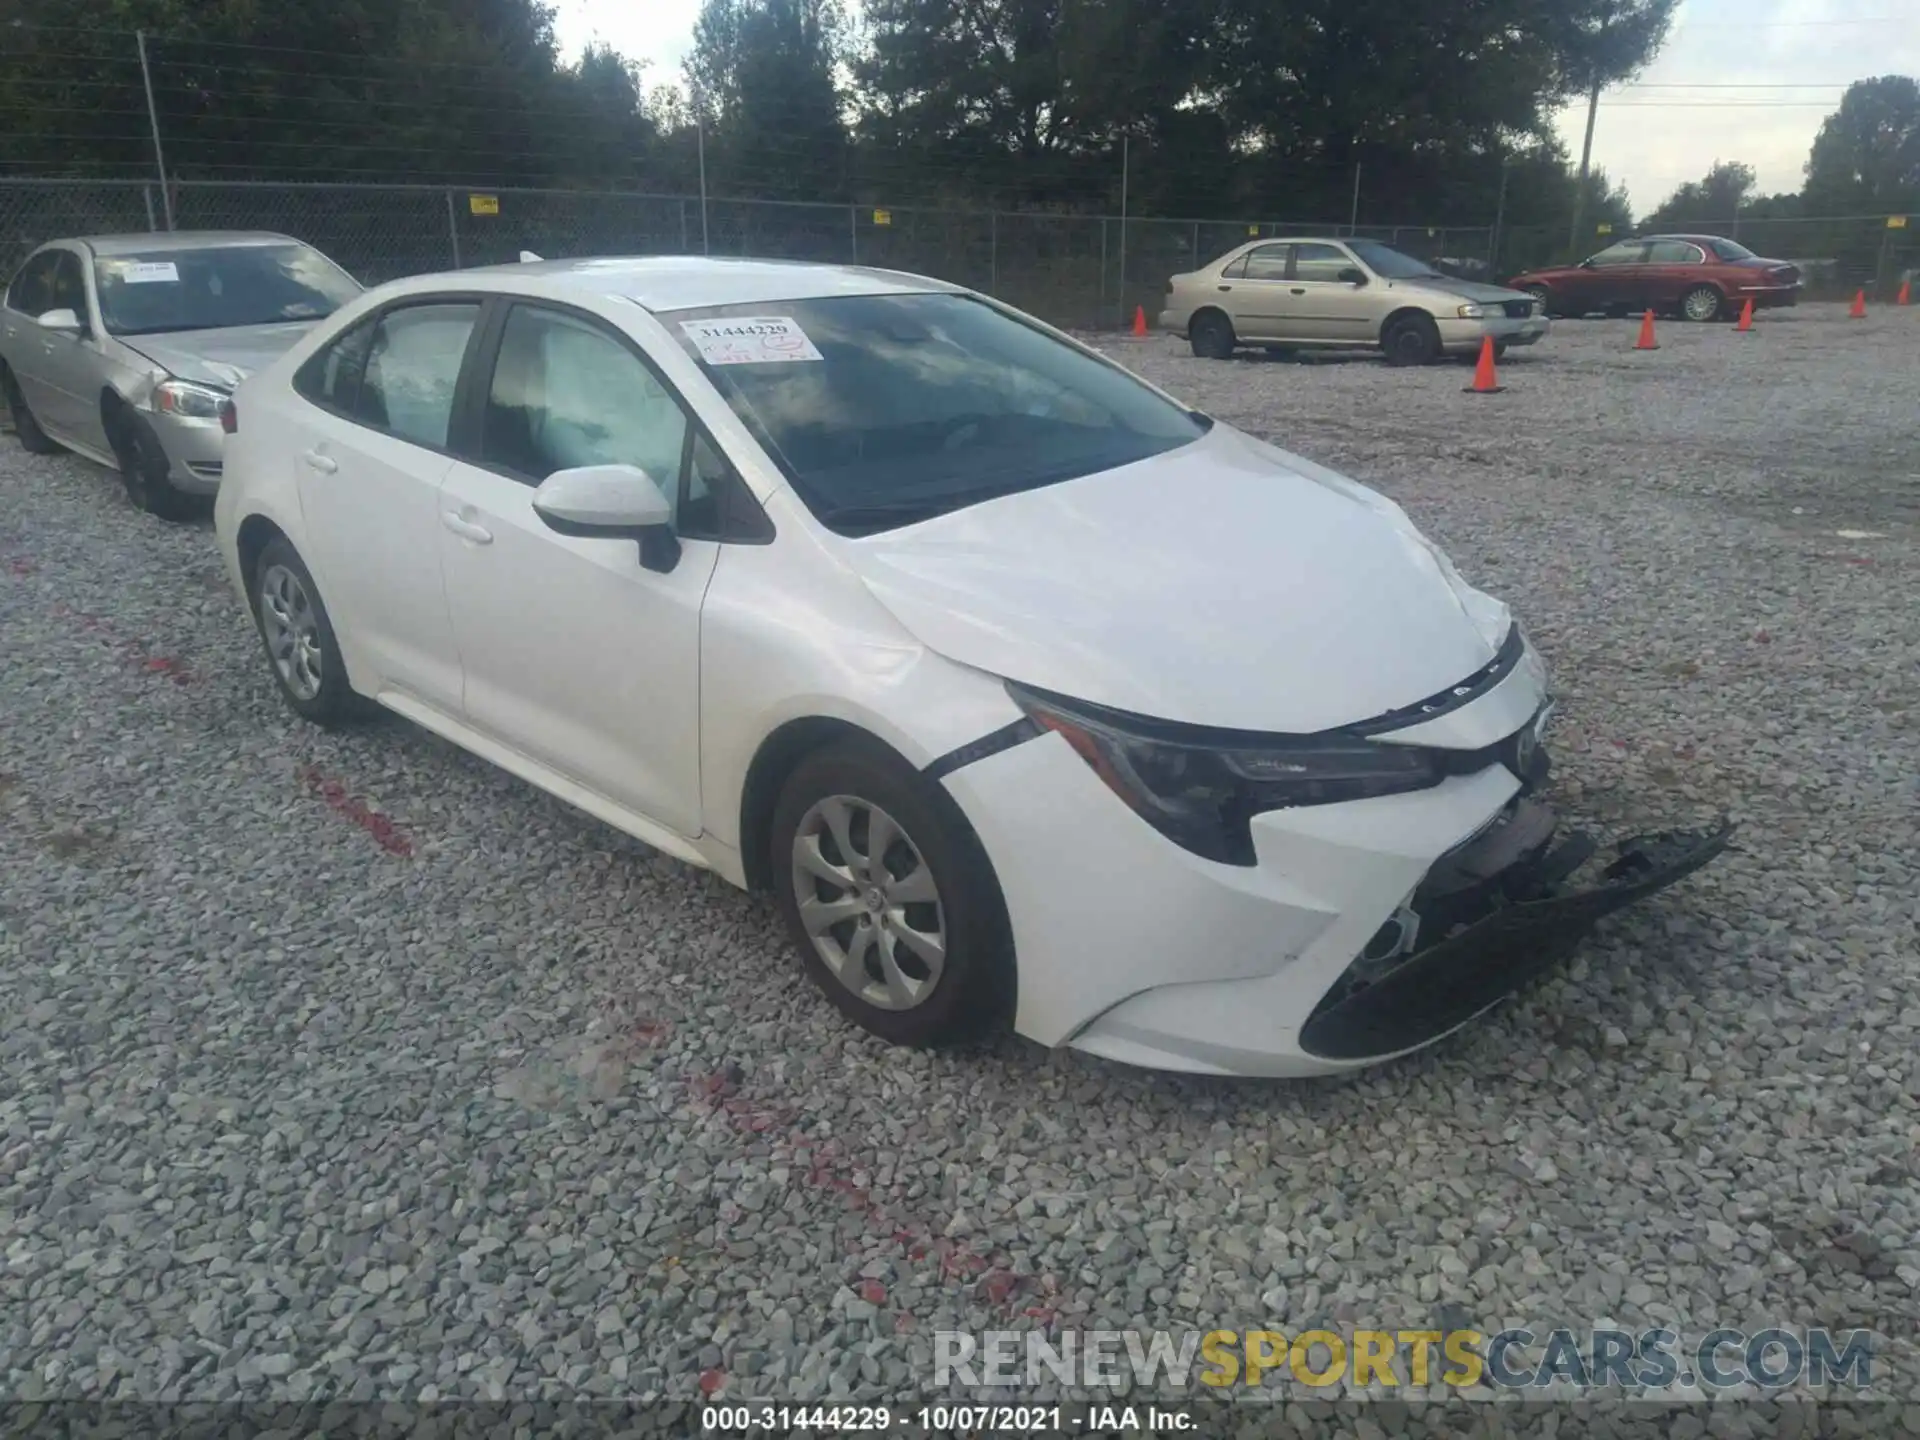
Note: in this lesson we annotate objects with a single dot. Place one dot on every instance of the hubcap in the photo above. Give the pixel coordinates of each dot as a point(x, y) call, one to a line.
point(1701, 306)
point(292, 629)
point(869, 903)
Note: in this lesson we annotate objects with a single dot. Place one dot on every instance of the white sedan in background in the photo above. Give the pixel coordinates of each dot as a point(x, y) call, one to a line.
point(1029, 692)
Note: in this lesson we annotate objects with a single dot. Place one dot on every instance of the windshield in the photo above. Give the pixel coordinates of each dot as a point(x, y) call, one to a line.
point(886, 409)
point(160, 290)
point(1732, 250)
point(1388, 263)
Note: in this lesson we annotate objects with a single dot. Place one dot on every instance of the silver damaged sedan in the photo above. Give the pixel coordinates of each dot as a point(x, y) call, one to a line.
point(124, 348)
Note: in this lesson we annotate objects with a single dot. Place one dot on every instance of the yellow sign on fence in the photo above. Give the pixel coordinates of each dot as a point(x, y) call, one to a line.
point(1603, 229)
point(883, 217)
point(1896, 222)
point(484, 204)
point(1253, 229)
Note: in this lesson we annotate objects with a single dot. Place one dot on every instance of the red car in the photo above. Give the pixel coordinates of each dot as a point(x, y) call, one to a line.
point(1699, 277)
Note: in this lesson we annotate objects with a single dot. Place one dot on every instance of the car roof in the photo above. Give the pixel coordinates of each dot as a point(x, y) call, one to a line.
point(663, 283)
point(1694, 239)
point(166, 241)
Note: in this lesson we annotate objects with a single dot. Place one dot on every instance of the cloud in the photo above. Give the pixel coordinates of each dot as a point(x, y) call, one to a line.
point(1743, 80)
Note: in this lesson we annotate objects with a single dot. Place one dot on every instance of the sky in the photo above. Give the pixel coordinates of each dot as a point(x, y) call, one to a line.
point(1746, 80)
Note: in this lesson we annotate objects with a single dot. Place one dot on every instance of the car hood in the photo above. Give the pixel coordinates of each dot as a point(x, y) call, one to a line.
point(1226, 583)
point(1470, 289)
point(222, 357)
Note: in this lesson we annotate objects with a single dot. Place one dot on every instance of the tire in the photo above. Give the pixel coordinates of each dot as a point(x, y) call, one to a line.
point(297, 636)
point(1545, 296)
point(933, 993)
point(1211, 335)
point(1701, 304)
point(1499, 349)
point(1411, 340)
point(33, 439)
point(144, 466)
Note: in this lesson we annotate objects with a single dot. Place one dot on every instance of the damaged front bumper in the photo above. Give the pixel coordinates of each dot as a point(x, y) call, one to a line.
point(1487, 920)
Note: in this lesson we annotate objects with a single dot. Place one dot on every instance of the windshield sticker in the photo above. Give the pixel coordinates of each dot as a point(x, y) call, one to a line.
point(150, 272)
point(750, 340)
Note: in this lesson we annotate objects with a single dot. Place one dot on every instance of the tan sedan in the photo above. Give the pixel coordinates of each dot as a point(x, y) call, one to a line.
point(1343, 294)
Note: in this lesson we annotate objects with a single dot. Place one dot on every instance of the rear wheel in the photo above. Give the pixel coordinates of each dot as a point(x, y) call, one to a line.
point(1411, 340)
point(1701, 303)
point(33, 439)
point(1211, 335)
point(144, 467)
point(889, 897)
point(299, 640)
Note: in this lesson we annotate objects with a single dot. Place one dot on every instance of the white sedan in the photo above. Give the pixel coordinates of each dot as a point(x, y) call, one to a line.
point(1031, 693)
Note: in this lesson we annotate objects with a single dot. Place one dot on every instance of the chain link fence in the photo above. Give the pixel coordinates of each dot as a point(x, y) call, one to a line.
point(1079, 270)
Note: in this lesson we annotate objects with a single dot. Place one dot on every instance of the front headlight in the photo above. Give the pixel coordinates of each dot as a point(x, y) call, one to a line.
point(183, 397)
point(1201, 787)
point(1471, 311)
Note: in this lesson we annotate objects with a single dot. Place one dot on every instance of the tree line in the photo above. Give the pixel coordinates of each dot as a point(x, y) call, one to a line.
point(1198, 108)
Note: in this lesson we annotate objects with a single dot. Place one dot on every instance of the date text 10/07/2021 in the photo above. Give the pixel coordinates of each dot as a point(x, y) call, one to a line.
point(748, 1419)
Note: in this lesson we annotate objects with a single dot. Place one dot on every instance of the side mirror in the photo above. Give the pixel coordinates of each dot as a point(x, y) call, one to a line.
point(64, 322)
point(1352, 276)
point(1587, 264)
point(611, 502)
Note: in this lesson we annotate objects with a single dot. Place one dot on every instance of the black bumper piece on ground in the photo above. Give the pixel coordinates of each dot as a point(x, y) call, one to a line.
point(1475, 965)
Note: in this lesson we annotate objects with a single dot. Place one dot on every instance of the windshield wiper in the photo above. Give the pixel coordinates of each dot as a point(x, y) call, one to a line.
point(904, 511)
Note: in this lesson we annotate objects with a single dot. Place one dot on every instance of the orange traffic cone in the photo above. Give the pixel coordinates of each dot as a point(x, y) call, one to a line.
point(1484, 380)
point(1746, 316)
point(1859, 310)
point(1139, 322)
point(1646, 340)
point(1905, 297)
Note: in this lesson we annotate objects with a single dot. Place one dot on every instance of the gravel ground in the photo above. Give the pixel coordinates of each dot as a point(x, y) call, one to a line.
point(349, 1066)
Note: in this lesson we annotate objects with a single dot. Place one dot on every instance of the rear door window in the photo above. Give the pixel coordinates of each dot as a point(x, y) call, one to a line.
point(331, 377)
point(1269, 262)
point(412, 368)
point(1629, 252)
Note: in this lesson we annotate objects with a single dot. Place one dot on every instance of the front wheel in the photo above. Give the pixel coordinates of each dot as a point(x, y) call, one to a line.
point(1411, 340)
point(145, 469)
point(1211, 335)
point(1701, 303)
point(889, 898)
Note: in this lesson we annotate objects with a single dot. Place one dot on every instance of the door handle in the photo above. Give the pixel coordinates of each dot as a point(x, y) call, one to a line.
point(325, 464)
point(1299, 290)
point(466, 529)
point(1225, 287)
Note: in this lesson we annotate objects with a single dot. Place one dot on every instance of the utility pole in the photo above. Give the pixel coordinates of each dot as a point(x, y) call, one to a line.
point(700, 139)
point(153, 119)
point(1580, 193)
point(1126, 162)
point(1499, 219)
point(1353, 215)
